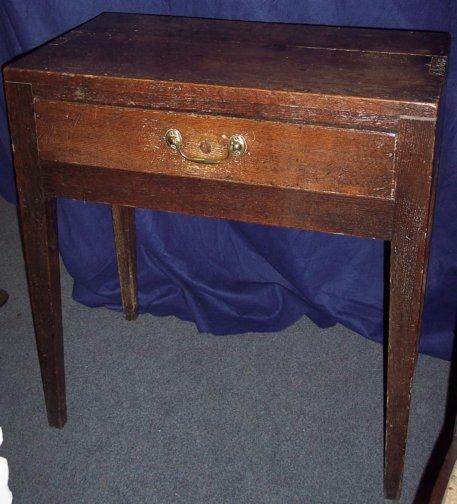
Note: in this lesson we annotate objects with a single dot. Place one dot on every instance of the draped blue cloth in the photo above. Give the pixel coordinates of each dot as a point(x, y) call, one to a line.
point(231, 277)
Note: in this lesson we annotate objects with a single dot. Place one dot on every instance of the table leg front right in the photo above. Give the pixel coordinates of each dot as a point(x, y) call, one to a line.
point(408, 271)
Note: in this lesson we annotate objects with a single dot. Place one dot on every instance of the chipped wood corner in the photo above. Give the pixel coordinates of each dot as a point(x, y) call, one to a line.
point(437, 65)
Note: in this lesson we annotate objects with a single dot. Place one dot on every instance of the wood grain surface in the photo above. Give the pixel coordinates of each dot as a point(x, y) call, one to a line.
point(408, 274)
point(38, 225)
point(332, 213)
point(125, 243)
point(312, 158)
point(312, 108)
point(391, 65)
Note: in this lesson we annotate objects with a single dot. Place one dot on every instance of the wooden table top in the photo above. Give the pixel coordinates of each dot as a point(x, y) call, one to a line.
point(374, 64)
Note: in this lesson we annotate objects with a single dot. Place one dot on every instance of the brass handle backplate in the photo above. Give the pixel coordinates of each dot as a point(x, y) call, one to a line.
point(237, 146)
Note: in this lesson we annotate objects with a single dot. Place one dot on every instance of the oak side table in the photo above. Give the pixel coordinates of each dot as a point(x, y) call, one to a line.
point(319, 128)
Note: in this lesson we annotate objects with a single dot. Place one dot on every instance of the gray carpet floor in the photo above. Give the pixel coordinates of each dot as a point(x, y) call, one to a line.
point(159, 413)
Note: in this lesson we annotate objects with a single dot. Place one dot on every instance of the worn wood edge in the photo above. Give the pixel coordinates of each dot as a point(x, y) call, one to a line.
point(427, 225)
point(364, 112)
point(355, 216)
point(33, 76)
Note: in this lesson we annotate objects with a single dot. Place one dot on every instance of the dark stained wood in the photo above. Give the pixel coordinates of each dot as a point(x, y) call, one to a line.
point(241, 33)
point(340, 125)
point(171, 50)
point(408, 272)
point(331, 213)
point(3, 297)
point(37, 218)
point(222, 100)
point(313, 158)
point(125, 240)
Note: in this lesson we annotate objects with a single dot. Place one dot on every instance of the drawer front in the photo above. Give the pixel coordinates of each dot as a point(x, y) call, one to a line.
point(313, 158)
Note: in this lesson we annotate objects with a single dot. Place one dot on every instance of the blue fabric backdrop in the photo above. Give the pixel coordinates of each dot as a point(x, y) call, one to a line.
point(231, 277)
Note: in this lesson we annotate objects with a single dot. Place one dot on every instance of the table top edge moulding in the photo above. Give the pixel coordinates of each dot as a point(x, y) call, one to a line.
point(314, 127)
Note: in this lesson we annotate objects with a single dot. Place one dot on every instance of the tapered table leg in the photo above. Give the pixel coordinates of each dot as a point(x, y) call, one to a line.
point(37, 218)
point(125, 240)
point(408, 270)
point(38, 224)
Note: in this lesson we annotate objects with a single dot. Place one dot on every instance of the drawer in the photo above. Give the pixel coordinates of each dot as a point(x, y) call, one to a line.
point(299, 156)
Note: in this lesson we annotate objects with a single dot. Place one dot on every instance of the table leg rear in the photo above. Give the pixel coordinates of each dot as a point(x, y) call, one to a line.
point(125, 240)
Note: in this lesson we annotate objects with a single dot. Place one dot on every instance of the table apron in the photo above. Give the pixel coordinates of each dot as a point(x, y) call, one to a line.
point(285, 207)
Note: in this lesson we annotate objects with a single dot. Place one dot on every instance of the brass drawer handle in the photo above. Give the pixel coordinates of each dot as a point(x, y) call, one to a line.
point(237, 146)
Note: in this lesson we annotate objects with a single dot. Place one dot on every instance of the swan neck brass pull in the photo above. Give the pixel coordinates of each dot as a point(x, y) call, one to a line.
point(237, 146)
